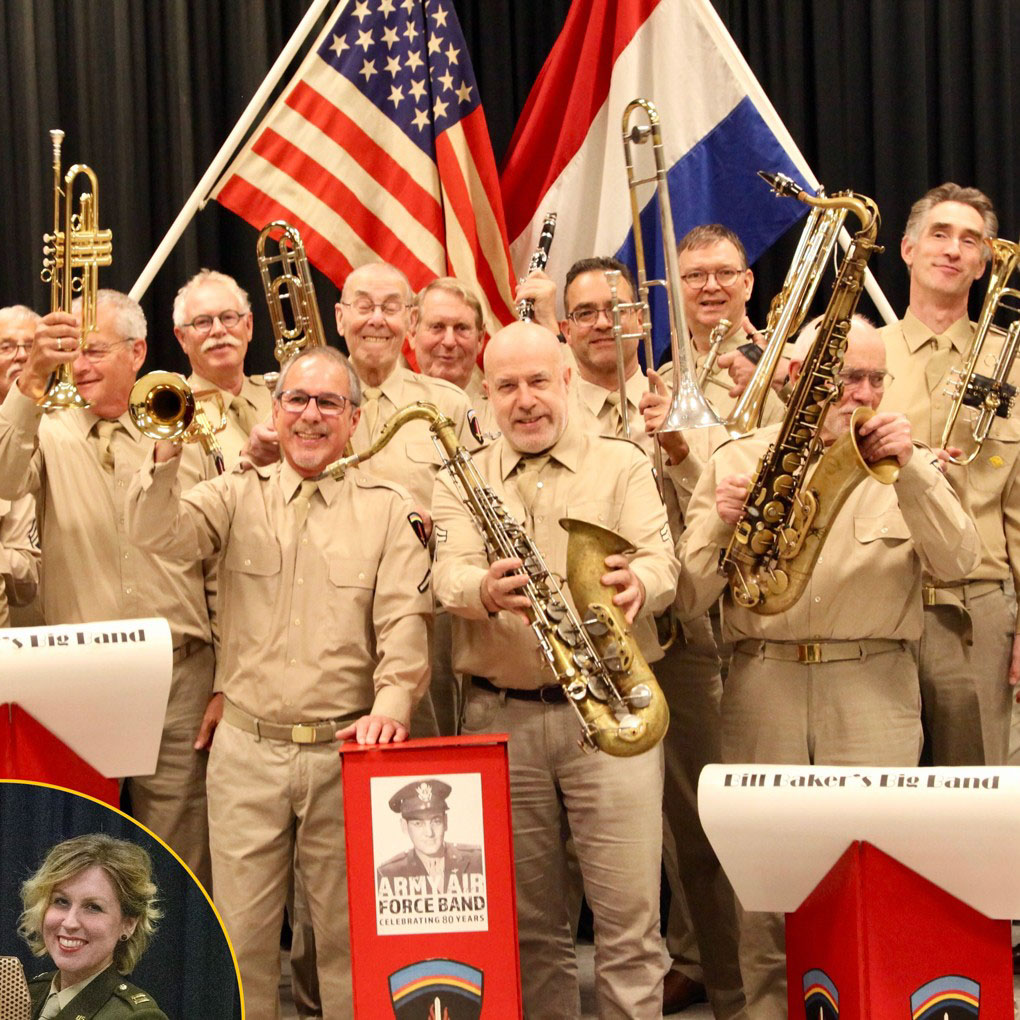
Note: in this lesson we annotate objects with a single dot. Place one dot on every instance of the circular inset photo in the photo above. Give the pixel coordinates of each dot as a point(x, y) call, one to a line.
point(100, 920)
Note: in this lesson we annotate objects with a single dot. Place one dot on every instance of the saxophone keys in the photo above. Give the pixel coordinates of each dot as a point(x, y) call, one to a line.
point(773, 511)
point(598, 688)
point(762, 541)
point(639, 696)
point(593, 625)
point(630, 728)
point(777, 581)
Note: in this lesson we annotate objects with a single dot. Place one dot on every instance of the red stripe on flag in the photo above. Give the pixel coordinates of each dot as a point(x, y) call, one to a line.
point(369, 225)
point(570, 90)
point(459, 198)
point(332, 121)
point(258, 209)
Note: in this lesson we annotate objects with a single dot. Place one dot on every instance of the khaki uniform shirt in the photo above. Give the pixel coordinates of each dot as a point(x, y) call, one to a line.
point(867, 581)
point(19, 555)
point(604, 481)
point(411, 458)
point(90, 569)
point(254, 402)
point(989, 488)
point(318, 621)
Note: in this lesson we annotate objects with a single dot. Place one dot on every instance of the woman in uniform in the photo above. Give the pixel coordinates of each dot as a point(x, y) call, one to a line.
point(91, 907)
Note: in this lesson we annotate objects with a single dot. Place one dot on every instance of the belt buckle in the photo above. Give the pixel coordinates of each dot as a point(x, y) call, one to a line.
point(550, 694)
point(304, 733)
point(928, 595)
point(809, 654)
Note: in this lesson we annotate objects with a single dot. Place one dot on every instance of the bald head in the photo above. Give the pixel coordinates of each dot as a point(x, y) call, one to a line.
point(526, 381)
point(863, 374)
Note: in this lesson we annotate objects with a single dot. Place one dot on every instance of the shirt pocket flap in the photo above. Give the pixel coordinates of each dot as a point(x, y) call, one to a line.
point(348, 573)
point(604, 512)
point(1005, 430)
point(422, 451)
point(889, 525)
point(263, 559)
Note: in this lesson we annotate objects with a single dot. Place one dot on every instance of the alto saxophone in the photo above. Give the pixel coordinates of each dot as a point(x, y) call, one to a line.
point(785, 520)
point(595, 658)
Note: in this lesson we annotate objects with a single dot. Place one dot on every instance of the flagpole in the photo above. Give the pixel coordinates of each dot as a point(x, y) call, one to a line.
point(230, 146)
point(745, 76)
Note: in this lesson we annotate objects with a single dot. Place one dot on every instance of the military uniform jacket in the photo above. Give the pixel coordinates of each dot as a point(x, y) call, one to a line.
point(989, 487)
point(867, 580)
point(460, 860)
point(106, 997)
point(254, 400)
point(605, 481)
point(19, 555)
point(319, 620)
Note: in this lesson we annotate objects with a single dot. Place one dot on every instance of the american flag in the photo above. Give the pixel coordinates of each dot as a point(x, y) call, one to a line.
point(378, 150)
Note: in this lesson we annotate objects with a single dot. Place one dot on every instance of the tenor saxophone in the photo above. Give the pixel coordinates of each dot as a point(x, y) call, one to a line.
point(787, 514)
point(593, 656)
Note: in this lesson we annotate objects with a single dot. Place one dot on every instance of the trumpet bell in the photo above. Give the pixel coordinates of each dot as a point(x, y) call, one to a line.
point(162, 405)
point(61, 391)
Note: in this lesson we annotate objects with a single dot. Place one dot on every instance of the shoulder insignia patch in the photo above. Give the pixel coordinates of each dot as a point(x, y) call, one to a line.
point(418, 527)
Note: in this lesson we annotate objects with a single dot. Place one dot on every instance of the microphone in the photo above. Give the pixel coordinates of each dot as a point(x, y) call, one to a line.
point(15, 1002)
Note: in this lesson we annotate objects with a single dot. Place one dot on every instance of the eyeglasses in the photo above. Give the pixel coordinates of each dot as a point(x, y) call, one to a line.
point(855, 376)
point(697, 278)
point(96, 352)
point(462, 330)
point(589, 316)
point(329, 404)
point(366, 306)
point(8, 348)
point(203, 323)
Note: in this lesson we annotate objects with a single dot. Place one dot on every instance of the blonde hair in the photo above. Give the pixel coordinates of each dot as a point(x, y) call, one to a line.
point(129, 868)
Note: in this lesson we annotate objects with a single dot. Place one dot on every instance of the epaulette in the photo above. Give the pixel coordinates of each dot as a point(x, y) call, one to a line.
point(133, 996)
point(367, 480)
point(622, 439)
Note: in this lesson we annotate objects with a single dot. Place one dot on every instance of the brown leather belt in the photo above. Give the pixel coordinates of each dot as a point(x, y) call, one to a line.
point(818, 651)
point(323, 731)
point(553, 694)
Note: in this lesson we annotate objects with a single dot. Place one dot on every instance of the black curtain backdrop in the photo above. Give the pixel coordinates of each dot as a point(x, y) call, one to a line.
point(187, 968)
point(886, 97)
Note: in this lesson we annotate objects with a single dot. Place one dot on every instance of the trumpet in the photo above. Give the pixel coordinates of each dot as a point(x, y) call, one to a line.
point(76, 243)
point(162, 406)
point(991, 395)
point(688, 408)
point(790, 306)
point(539, 260)
point(290, 294)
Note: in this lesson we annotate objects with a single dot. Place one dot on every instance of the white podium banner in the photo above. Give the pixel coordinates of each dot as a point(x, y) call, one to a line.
point(102, 688)
point(778, 829)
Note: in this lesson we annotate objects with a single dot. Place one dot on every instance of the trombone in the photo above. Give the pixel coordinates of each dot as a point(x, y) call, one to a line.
point(688, 408)
point(790, 306)
point(162, 406)
point(715, 339)
point(290, 294)
point(992, 395)
point(76, 243)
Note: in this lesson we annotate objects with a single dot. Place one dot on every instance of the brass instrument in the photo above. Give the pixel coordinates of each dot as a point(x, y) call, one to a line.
point(291, 287)
point(785, 519)
point(76, 243)
point(596, 660)
point(715, 339)
point(162, 406)
point(688, 408)
point(790, 306)
point(992, 395)
point(539, 260)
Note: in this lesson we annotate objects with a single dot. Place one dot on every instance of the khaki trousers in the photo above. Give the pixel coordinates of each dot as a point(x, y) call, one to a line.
point(171, 802)
point(689, 677)
point(856, 712)
point(963, 663)
point(267, 800)
point(613, 807)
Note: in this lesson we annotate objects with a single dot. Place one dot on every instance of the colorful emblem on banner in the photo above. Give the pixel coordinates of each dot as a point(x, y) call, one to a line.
point(821, 996)
point(436, 990)
point(951, 997)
